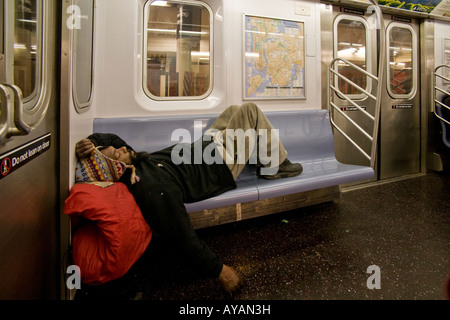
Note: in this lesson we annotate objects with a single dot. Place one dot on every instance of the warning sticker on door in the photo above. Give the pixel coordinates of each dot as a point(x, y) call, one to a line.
point(14, 159)
point(402, 106)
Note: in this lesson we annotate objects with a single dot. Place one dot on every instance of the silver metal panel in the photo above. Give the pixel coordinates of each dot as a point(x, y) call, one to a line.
point(400, 126)
point(431, 158)
point(326, 46)
point(29, 214)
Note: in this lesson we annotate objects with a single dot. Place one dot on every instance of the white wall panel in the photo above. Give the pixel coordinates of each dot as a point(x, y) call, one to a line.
point(119, 54)
point(441, 34)
point(281, 9)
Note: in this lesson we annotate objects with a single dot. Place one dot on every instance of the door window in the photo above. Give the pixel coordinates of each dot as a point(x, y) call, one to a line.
point(27, 47)
point(351, 38)
point(401, 59)
point(26, 60)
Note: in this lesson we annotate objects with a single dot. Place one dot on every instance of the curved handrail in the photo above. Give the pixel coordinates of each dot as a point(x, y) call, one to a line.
point(5, 101)
point(21, 128)
point(436, 88)
point(11, 112)
point(347, 98)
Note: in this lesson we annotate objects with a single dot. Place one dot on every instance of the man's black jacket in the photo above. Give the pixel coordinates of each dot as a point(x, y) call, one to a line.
point(162, 190)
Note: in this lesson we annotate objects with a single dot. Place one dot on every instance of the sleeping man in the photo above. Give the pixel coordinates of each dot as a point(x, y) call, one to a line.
point(161, 184)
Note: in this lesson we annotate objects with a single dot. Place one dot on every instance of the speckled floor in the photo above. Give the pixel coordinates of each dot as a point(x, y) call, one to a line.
point(318, 252)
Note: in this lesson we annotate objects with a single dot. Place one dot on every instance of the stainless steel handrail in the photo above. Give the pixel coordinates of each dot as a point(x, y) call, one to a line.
point(11, 112)
point(5, 102)
point(346, 97)
point(333, 74)
point(21, 128)
point(436, 88)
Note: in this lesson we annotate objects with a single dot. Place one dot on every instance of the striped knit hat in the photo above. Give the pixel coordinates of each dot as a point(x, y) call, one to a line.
point(98, 167)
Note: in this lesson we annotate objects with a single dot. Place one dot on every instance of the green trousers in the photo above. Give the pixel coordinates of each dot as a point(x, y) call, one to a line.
point(247, 123)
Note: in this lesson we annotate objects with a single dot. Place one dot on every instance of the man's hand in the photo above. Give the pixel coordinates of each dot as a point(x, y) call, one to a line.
point(229, 279)
point(84, 148)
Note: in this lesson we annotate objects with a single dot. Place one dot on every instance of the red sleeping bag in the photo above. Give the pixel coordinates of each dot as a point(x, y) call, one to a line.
point(114, 236)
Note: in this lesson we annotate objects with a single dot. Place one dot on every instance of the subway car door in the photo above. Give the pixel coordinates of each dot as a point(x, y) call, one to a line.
point(350, 34)
point(29, 144)
point(400, 131)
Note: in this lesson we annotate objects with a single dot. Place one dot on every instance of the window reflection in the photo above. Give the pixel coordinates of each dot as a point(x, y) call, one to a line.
point(26, 46)
point(400, 60)
point(351, 46)
point(178, 49)
point(83, 55)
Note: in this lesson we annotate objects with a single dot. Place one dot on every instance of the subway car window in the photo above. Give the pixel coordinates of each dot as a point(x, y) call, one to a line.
point(179, 50)
point(83, 36)
point(351, 46)
point(446, 54)
point(446, 61)
point(27, 47)
point(401, 61)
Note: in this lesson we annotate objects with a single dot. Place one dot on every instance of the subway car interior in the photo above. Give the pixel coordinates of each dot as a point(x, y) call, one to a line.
point(358, 90)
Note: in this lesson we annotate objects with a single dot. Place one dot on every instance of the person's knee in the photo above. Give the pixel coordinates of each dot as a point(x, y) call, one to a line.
point(232, 109)
point(251, 111)
point(250, 106)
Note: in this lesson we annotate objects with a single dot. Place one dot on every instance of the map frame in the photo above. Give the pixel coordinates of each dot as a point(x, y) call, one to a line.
point(276, 93)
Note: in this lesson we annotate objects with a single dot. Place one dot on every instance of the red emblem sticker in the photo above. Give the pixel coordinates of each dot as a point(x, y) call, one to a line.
point(5, 167)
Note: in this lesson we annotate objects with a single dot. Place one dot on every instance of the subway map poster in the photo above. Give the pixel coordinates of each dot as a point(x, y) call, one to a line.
point(274, 58)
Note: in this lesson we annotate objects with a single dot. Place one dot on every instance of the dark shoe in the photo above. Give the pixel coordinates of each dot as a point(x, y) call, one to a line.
point(285, 170)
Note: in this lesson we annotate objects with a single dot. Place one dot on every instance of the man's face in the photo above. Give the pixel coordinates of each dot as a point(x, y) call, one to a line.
point(122, 154)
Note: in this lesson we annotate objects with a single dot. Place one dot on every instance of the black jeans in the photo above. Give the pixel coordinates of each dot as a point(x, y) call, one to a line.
point(163, 208)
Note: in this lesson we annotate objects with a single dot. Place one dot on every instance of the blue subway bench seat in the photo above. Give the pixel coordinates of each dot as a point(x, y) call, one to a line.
point(306, 135)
